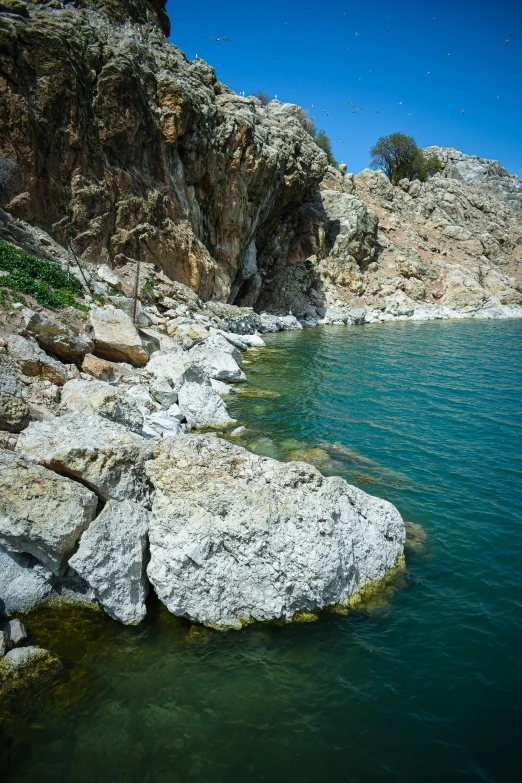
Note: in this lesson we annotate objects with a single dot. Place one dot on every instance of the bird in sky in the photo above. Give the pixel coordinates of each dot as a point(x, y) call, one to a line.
point(449, 54)
point(341, 141)
point(508, 39)
point(400, 103)
point(386, 29)
point(428, 73)
point(377, 111)
point(178, 18)
point(351, 104)
point(462, 110)
point(356, 33)
point(410, 114)
point(273, 62)
point(355, 112)
point(324, 112)
point(497, 96)
point(213, 37)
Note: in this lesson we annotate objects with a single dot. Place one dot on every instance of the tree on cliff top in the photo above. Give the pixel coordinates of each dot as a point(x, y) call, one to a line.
point(324, 143)
point(399, 156)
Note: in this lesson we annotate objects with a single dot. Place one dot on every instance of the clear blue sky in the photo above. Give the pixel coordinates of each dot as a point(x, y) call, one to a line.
point(322, 62)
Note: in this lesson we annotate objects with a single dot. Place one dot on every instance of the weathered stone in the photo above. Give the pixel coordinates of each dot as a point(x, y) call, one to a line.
point(278, 323)
point(105, 456)
point(101, 398)
point(236, 537)
point(41, 513)
point(111, 559)
point(14, 413)
point(24, 583)
point(14, 634)
point(217, 363)
point(56, 337)
point(34, 362)
point(201, 405)
point(163, 392)
point(103, 370)
point(116, 337)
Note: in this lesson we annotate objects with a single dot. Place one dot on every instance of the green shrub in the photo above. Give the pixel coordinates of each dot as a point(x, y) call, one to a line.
point(324, 143)
point(46, 281)
point(399, 156)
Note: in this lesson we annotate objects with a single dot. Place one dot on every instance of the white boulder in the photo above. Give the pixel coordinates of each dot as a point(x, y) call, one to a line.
point(235, 537)
point(102, 398)
point(111, 559)
point(116, 338)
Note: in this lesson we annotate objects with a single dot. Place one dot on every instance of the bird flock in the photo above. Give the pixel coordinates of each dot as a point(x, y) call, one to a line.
point(355, 109)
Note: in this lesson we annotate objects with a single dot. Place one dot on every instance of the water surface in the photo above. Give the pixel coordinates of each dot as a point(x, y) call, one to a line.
point(421, 684)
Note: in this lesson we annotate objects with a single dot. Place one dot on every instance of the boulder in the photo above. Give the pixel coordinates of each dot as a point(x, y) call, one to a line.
point(56, 337)
point(201, 405)
point(14, 634)
point(34, 362)
point(217, 342)
point(102, 370)
point(111, 559)
point(101, 398)
point(162, 391)
point(41, 513)
point(278, 323)
point(103, 455)
point(24, 583)
point(252, 340)
point(24, 656)
point(116, 337)
point(235, 537)
point(14, 413)
point(165, 425)
point(217, 363)
point(168, 366)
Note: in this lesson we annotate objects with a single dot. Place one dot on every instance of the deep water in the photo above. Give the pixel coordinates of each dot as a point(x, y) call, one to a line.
point(423, 683)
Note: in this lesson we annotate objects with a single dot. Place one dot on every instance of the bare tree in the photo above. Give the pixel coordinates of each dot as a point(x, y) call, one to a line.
point(9, 175)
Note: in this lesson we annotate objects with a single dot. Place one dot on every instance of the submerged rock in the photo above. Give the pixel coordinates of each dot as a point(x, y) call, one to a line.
point(236, 537)
point(24, 583)
point(111, 559)
point(41, 513)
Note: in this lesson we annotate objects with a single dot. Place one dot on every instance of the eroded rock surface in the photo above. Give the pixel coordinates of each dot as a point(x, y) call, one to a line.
point(236, 537)
point(101, 398)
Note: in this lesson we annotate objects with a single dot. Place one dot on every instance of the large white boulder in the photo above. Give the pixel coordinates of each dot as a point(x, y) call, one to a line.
point(105, 456)
point(41, 513)
point(217, 362)
point(111, 559)
point(100, 397)
point(201, 404)
point(236, 537)
point(116, 338)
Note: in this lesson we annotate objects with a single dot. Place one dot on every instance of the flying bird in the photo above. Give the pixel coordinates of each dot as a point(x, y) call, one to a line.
point(400, 103)
point(341, 141)
point(351, 104)
point(497, 96)
point(449, 54)
point(386, 29)
point(508, 39)
point(377, 111)
point(428, 73)
point(356, 33)
point(462, 110)
point(213, 38)
point(324, 112)
point(355, 112)
point(178, 18)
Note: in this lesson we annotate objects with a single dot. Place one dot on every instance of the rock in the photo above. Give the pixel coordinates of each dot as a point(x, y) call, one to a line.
point(103, 455)
point(188, 335)
point(34, 362)
point(14, 633)
point(415, 188)
point(3, 645)
point(237, 432)
point(101, 398)
point(111, 559)
point(116, 337)
point(24, 656)
point(216, 342)
point(164, 424)
point(102, 370)
point(14, 413)
point(24, 583)
point(24, 671)
point(106, 275)
point(41, 513)
point(168, 366)
point(150, 341)
point(217, 363)
point(140, 395)
point(201, 405)
point(175, 412)
point(56, 337)
point(220, 387)
point(457, 232)
point(234, 339)
point(235, 537)
point(162, 392)
point(278, 323)
point(253, 341)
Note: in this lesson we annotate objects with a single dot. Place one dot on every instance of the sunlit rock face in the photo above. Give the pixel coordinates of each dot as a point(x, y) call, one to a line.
point(134, 152)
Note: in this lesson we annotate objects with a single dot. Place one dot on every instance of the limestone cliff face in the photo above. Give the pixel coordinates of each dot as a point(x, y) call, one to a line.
point(454, 241)
point(131, 151)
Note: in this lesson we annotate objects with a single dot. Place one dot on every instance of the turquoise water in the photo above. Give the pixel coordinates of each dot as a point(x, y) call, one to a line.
point(421, 684)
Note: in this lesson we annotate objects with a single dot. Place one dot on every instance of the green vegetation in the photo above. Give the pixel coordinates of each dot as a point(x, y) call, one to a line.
point(46, 281)
point(399, 156)
point(324, 143)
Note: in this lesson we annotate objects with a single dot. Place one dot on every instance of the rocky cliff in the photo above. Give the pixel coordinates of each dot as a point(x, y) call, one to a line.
point(131, 151)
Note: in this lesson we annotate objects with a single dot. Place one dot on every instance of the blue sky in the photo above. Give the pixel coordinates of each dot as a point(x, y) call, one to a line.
point(323, 64)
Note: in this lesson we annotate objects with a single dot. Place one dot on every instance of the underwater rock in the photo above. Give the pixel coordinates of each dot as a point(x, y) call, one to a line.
point(235, 537)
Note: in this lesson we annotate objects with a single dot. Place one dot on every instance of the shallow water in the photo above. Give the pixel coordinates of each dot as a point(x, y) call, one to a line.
point(420, 684)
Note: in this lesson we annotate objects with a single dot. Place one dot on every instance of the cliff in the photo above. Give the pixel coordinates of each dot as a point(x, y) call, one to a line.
point(131, 151)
